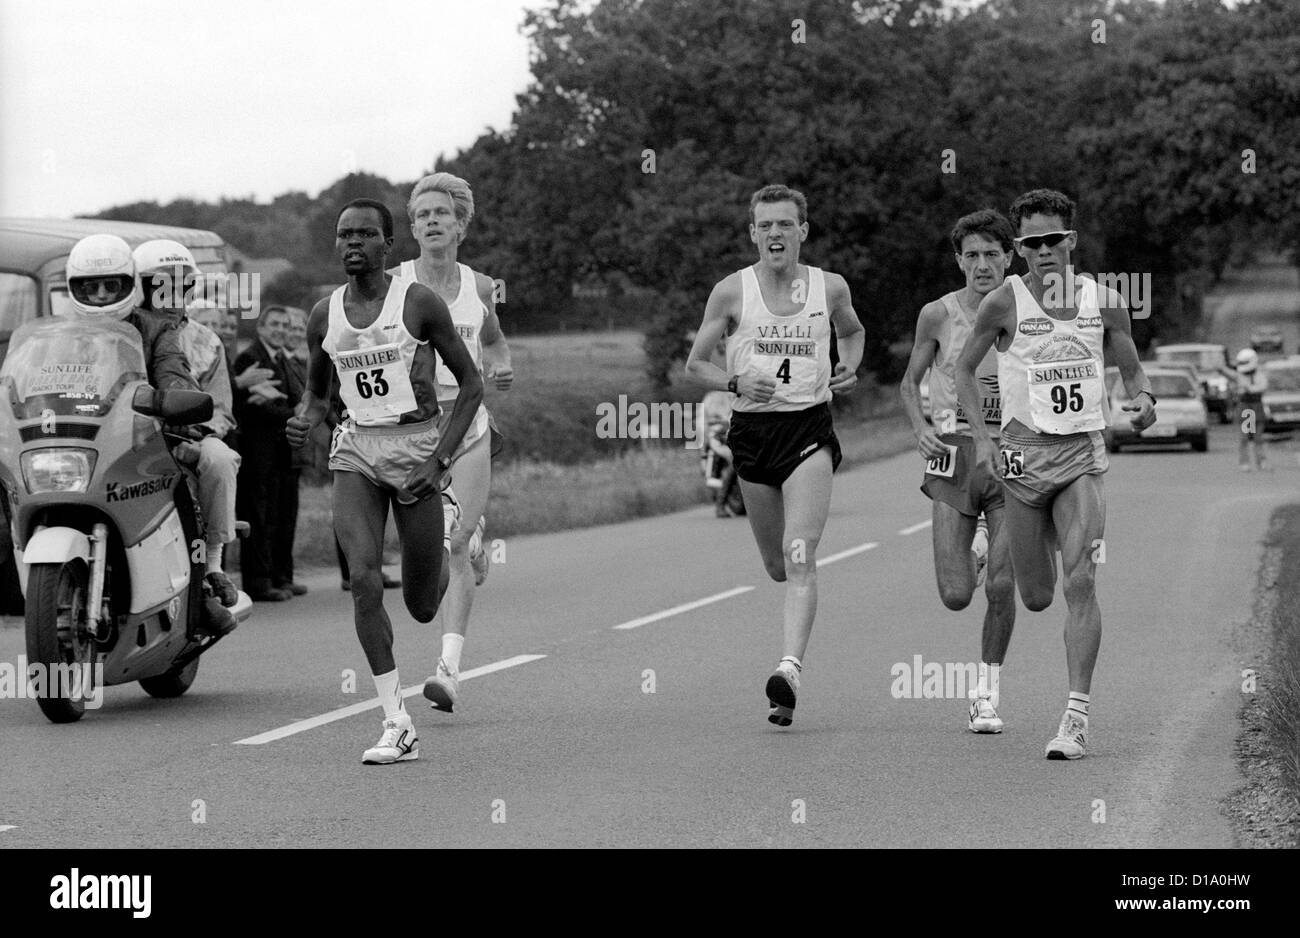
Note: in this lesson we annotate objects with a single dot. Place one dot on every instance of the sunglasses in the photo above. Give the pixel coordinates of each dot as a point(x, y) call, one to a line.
point(1051, 239)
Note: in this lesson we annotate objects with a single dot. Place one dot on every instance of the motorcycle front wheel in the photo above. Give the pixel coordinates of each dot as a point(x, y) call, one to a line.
point(57, 638)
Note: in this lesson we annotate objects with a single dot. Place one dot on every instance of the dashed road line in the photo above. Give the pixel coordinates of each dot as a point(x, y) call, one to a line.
point(343, 713)
point(917, 527)
point(861, 548)
point(684, 607)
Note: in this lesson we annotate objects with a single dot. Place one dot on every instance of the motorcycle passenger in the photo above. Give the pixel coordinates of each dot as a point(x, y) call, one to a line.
point(102, 283)
point(165, 269)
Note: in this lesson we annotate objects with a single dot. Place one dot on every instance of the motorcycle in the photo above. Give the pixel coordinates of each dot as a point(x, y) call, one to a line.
point(107, 534)
point(719, 476)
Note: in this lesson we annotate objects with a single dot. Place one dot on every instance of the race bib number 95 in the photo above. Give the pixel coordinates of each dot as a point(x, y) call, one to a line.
point(1013, 463)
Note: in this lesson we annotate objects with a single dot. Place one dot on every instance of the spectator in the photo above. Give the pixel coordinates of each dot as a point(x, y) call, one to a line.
point(268, 484)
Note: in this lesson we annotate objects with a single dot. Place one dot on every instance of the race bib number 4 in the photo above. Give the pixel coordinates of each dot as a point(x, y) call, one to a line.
point(790, 360)
point(942, 466)
point(1013, 463)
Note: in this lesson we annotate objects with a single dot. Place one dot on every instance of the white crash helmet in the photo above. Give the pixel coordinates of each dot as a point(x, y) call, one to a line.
point(1247, 360)
point(95, 257)
point(165, 257)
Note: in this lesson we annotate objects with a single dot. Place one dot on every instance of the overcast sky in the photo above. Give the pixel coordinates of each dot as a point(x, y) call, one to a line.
point(115, 101)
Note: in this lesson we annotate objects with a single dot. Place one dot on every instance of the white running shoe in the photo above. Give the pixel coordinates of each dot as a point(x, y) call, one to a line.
point(1069, 740)
point(442, 690)
point(782, 689)
point(980, 548)
point(478, 557)
point(398, 744)
point(983, 717)
point(450, 517)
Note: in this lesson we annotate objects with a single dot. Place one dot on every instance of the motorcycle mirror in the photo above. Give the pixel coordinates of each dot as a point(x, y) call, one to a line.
point(175, 406)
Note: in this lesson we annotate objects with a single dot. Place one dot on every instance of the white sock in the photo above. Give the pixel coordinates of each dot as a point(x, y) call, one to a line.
point(793, 660)
point(389, 690)
point(993, 681)
point(1078, 705)
point(451, 647)
point(214, 557)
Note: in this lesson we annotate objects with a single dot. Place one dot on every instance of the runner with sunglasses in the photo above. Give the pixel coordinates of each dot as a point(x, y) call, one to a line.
point(1049, 327)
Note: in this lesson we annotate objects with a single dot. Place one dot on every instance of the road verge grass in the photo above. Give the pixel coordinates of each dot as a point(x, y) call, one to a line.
point(1265, 812)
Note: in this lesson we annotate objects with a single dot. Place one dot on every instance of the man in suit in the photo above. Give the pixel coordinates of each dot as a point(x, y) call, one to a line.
point(268, 486)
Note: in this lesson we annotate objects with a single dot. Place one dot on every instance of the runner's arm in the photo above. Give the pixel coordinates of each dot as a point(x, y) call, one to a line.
point(717, 320)
point(924, 347)
point(316, 397)
point(496, 353)
point(435, 325)
point(849, 333)
point(995, 312)
point(1119, 333)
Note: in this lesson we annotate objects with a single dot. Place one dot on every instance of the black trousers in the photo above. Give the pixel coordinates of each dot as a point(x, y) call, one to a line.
point(267, 498)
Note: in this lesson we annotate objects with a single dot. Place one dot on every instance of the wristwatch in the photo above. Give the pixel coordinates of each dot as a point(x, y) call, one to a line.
point(733, 384)
point(1148, 393)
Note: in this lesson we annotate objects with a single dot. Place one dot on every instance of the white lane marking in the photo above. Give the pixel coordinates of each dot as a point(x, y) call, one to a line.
point(344, 712)
point(917, 527)
point(847, 553)
point(684, 607)
point(7, 827)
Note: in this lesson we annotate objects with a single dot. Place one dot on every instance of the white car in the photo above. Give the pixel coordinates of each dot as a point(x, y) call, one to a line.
point(1282, 396)
point(1181, 416)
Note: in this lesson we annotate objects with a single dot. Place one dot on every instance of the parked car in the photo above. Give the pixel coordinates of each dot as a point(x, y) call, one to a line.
point(33, 253)
point(1213, 371)
point(1282, 396)
point(1266, 339)
point(1181, 416)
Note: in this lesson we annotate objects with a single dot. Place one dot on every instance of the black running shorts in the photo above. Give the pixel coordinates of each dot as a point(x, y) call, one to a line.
point(767, 446)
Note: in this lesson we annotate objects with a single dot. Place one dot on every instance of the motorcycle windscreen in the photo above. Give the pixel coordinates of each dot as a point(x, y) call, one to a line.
point(67, 366)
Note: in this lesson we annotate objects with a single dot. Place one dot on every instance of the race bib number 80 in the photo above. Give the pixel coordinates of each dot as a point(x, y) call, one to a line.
point(942, 466)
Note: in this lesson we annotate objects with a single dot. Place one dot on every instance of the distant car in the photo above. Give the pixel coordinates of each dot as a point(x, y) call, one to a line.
point(1282, 396)
point(1266, 339)
point(1218, 384)
point(1181, 416)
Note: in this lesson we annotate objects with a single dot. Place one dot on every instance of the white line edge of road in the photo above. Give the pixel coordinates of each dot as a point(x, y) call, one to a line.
point(7, 827)
point(352, 710)
point(684, 607)
point(861, 548)
point(917, 527)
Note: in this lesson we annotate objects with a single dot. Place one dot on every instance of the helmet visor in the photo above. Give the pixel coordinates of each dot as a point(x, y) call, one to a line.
point(100, 291)
point(167, 288)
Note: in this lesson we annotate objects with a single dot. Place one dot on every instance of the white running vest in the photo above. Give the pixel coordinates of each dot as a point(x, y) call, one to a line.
point(1052, 374)
point(467, 313)
point(374, 363)
point(794, 350)
point(943, 372)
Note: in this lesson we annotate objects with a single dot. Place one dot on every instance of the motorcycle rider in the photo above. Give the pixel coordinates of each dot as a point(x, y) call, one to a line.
point(103, 283)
